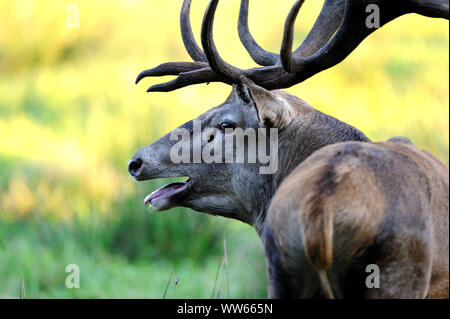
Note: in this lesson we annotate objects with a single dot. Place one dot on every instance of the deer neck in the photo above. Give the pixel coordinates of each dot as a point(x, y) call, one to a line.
point(296, 143)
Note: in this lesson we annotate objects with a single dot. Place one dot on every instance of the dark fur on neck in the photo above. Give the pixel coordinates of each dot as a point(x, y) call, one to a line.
point(306, 135)
point(298, 141)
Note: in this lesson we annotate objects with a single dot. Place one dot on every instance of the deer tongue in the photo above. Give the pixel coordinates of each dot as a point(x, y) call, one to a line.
point(166, 191)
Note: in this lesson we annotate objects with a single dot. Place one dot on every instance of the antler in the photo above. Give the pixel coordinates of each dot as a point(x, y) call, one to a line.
point(345, 19)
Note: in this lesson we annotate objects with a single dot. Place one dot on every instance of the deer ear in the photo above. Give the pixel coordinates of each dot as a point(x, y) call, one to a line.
point(273, 110)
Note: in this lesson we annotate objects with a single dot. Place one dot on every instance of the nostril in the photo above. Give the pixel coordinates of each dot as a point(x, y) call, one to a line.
point(135, 166)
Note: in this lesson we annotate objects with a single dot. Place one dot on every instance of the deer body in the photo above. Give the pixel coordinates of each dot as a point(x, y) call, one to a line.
point(337, 202)
point(354, 204)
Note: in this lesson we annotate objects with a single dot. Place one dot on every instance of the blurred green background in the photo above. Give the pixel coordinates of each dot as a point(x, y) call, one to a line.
point(71, 118)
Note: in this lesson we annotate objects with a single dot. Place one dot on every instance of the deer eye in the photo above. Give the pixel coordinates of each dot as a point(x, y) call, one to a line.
point(225, 125)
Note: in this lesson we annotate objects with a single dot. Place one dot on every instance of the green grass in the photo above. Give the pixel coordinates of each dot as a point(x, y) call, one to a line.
point(131, 256)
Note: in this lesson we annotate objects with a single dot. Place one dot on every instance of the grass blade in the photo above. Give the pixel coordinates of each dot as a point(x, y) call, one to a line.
point(167, 286)
point(219, 271)
point(22, 294)
point(225, 256)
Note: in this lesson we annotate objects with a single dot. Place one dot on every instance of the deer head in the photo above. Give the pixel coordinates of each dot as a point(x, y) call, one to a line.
point(239, 190)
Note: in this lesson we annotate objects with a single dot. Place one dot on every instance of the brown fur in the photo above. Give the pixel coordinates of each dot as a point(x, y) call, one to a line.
point(385, 200)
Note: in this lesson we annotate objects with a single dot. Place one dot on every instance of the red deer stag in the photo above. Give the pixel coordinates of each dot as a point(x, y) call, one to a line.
point(336, 202)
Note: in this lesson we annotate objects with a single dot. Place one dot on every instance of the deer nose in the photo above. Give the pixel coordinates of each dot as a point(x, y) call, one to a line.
point(134, 166)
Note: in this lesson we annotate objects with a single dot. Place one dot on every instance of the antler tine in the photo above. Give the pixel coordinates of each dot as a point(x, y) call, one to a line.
point(351, 32)
point(171, 68)
point(326, 24)
point(204, 75)
point(286, 57)
point(188, 37)
point(335, 50)
point(216, 63)
point(258, 54)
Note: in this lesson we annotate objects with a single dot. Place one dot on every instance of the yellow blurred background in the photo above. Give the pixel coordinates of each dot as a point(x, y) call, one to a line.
point(71, 117)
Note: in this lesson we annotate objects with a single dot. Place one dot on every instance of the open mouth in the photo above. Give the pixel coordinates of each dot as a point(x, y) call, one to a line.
point(167, 191)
